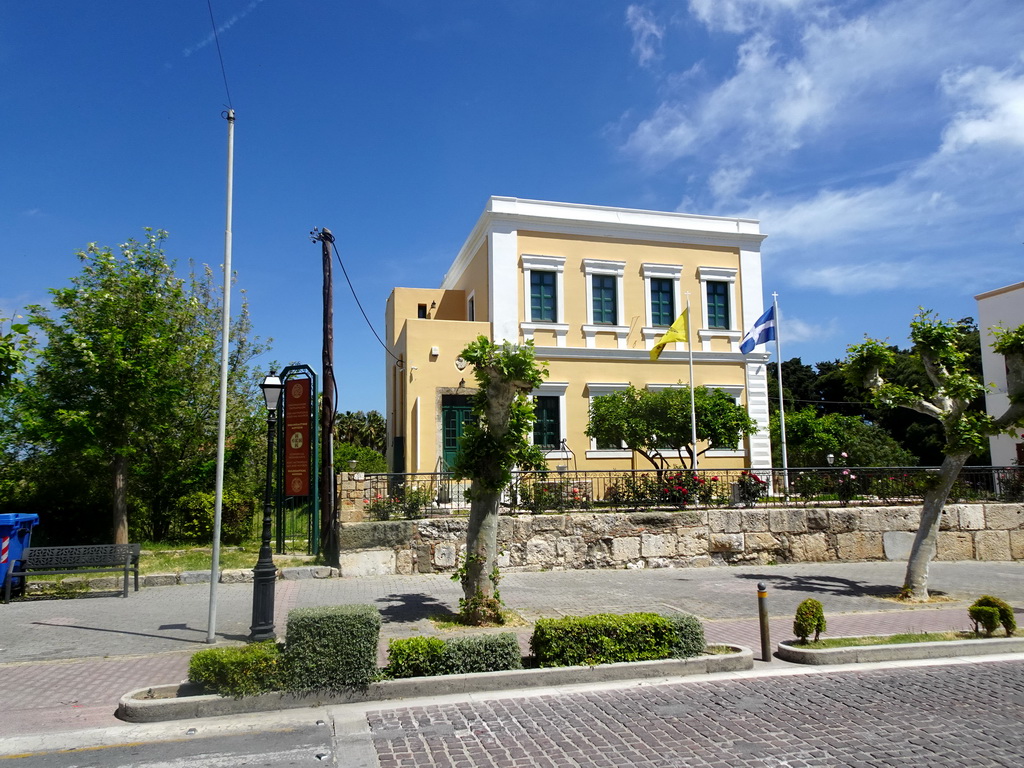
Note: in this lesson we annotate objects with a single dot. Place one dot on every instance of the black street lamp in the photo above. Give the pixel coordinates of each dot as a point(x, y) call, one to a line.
point(264, 575)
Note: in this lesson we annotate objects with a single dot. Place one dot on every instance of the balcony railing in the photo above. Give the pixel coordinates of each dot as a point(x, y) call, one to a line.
point(412, 496)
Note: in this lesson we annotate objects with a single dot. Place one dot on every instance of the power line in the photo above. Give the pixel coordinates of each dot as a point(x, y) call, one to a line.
point(216, 39)
point(356, 297)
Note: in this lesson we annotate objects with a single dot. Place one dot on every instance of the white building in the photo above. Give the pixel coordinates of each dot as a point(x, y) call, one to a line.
point(1005, 307)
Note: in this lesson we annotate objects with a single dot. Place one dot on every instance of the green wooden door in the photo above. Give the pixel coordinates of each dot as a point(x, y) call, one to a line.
point(456, 411)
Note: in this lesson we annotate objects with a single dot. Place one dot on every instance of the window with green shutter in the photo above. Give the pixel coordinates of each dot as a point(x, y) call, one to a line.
point(604, 300)
point(718, 305)
point(543, 298)
point(663, 309)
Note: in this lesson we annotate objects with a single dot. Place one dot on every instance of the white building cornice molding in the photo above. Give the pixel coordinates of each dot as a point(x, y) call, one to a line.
point(508, 214)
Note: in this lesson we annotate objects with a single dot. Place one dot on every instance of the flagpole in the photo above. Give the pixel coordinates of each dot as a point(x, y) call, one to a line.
point(693, 408)
point(782, 404)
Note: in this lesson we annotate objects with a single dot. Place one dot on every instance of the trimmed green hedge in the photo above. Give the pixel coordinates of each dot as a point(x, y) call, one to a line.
point(689, 636)
point(238, 671)
point(331, 648)
point(427, 656)
point(603, 638)
point(416, 657)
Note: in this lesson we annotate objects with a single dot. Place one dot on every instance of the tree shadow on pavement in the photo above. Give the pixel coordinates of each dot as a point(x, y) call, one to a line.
point(180, 627)
point(830, 585)
point(411, 607)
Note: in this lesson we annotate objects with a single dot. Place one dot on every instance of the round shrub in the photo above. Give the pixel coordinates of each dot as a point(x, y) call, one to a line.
point(810, 617)
point(984, 616)
point(1006, 617)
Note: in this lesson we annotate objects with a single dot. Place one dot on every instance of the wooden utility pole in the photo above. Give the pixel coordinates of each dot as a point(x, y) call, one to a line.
point(328, 508)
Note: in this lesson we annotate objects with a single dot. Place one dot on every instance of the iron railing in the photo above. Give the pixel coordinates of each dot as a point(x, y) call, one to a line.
point(434, 494)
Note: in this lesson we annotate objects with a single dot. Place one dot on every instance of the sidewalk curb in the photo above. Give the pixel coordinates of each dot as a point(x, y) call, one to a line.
point(903, 652)
point(178, 702)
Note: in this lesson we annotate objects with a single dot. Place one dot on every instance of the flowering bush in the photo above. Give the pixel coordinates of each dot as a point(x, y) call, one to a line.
point(846, 488)
point(751, 488)
point(408, 501)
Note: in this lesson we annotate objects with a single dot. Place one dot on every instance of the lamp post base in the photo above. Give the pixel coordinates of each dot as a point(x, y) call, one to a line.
point(264, 578)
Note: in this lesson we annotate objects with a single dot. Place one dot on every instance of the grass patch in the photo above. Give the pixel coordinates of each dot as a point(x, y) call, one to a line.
point(900, 639)
point(719, 650)
point(452, 621)
point(165, 559)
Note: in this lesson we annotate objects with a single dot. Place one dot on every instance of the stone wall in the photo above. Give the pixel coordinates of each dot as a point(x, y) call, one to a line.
point(685, 539)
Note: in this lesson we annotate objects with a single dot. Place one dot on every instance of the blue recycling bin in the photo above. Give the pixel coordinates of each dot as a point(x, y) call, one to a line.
point(15, 533)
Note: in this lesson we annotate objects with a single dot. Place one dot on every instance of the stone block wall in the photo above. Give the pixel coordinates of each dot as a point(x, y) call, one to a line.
point(349, 496)
point(684, 539)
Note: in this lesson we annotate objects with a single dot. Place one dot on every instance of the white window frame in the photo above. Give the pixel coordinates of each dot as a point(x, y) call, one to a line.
point(617, 269)
point(735, 391)
point(595, 389)
point(733, 333)
point(555, 389)
point(541, 263)
point(651, 333)
point(471, 305)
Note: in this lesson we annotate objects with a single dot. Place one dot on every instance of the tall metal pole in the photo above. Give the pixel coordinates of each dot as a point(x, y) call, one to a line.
point(782, 403)
point(693, 407)
point(225, 340)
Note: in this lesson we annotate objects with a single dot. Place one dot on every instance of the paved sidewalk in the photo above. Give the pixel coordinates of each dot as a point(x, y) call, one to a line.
point(65, 663)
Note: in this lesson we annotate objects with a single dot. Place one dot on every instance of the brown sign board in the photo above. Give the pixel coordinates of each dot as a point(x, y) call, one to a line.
point(297, 402)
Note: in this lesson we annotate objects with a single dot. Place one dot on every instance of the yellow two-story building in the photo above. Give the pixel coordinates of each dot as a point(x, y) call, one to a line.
point(594, 288)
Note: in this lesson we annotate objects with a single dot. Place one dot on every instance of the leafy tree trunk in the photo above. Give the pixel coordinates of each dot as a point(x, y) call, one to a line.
point(915, 583)
point(953, 387)
point(491, 446)
point(478, 587)
point(120, 499)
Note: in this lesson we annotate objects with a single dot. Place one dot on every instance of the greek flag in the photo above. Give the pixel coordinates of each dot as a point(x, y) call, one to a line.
point(762, 332)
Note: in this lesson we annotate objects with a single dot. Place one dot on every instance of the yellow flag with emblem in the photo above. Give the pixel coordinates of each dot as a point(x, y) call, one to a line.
point(676, 332)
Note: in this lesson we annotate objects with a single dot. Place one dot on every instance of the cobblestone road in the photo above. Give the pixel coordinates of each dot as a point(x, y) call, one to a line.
point(950, 715)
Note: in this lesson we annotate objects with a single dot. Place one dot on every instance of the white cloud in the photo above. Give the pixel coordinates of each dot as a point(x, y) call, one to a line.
point(647, 34)
point(992, 108)
point(795, 330)
point(739, 16)
point(727, 183)
point(817, 70)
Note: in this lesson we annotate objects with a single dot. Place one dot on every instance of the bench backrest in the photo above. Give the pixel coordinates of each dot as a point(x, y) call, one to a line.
point(86, 555)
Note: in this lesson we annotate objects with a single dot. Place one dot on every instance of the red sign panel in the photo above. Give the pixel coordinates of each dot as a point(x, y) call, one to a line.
point(297, 402)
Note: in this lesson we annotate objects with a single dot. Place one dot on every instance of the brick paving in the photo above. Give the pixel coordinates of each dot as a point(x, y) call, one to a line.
point(958, 715)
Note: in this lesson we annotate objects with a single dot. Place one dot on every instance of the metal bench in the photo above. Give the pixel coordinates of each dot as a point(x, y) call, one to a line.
point(90, 558)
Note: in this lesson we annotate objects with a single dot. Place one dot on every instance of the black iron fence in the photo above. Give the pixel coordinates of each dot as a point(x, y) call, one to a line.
point(412, 496)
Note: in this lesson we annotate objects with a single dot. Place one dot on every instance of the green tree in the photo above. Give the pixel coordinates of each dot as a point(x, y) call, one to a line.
point(180, 459)
point(492, 444)
point(812, 436)
point(127, 380)
point(945, 351)
point(656, 424)
point(368, 429)
point(15, 344)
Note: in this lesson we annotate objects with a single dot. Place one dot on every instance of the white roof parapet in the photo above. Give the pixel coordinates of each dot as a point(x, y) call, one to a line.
point(605, 221)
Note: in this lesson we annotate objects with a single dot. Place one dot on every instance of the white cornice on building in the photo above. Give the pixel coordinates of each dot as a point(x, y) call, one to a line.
point(507, 214)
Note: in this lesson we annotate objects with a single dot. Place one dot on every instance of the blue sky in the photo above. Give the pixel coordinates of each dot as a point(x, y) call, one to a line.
point(881, 144)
